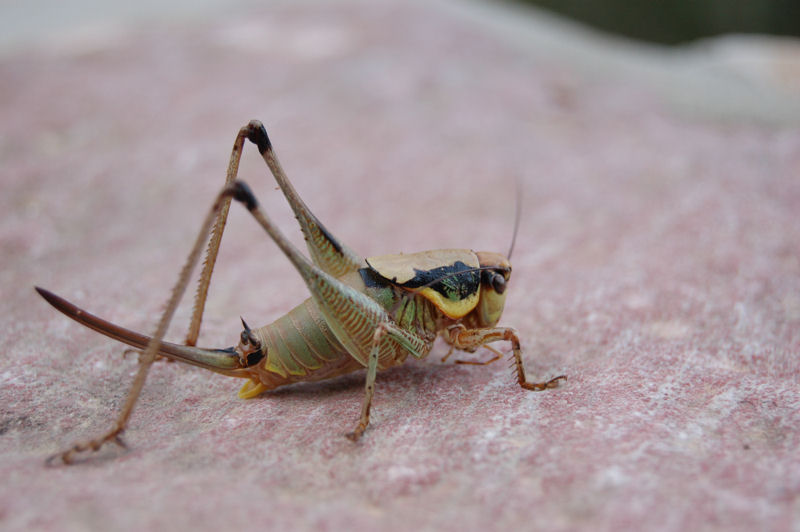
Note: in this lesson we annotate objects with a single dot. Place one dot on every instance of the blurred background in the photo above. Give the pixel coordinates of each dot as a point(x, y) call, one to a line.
point(679, 21)
point(663, 21)
point(657, 262)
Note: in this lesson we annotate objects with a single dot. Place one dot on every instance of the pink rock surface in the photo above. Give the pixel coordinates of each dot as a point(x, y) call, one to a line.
point(658, 265)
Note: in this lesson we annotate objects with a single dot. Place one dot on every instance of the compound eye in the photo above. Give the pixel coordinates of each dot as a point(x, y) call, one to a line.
point(499, 283)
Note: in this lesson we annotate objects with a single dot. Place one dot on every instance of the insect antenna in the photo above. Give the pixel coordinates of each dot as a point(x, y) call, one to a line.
point(517, 216)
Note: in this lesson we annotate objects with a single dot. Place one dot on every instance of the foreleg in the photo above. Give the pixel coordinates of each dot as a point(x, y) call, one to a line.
point(470, 339)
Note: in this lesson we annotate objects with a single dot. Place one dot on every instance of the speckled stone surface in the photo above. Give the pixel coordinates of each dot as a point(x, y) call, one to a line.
point(658, 266)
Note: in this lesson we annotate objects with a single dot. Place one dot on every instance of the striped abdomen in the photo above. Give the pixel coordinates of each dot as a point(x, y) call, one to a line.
point(301, 347)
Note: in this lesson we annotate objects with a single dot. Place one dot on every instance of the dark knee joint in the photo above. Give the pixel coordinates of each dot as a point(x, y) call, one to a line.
point(257, 134)
point(240, 191)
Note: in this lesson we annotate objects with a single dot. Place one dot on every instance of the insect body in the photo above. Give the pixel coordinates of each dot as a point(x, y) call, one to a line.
point(371, 313)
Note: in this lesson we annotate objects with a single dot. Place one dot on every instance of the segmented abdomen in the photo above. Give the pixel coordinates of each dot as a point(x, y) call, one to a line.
point(301, 347)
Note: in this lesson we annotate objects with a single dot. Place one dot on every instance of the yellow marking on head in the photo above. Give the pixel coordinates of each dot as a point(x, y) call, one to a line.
point(490, 259)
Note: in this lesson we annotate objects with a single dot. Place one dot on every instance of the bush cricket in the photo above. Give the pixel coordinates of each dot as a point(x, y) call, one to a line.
point(363, 313)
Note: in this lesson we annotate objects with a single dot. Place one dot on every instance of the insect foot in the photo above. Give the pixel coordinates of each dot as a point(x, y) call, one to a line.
point(66, 457)
point(356, 434)
point(539, 386)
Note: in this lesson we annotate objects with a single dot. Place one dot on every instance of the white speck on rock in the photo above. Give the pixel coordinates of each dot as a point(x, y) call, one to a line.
point(397, 472)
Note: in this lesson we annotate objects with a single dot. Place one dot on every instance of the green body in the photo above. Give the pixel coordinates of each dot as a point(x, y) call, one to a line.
point(363, 313)
point(303, 346)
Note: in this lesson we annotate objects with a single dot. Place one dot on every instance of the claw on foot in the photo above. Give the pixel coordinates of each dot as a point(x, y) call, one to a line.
point(67, 456)
point(538, 386)
point(356, 434)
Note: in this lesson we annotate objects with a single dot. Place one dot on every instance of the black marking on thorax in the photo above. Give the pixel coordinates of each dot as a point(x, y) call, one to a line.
point(373, 279)
point(455, 282)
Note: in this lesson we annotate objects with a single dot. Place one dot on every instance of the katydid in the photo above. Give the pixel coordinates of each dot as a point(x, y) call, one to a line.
point(363, 313)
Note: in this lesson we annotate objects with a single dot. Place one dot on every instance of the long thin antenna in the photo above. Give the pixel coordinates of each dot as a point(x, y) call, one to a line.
point(517, 216)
